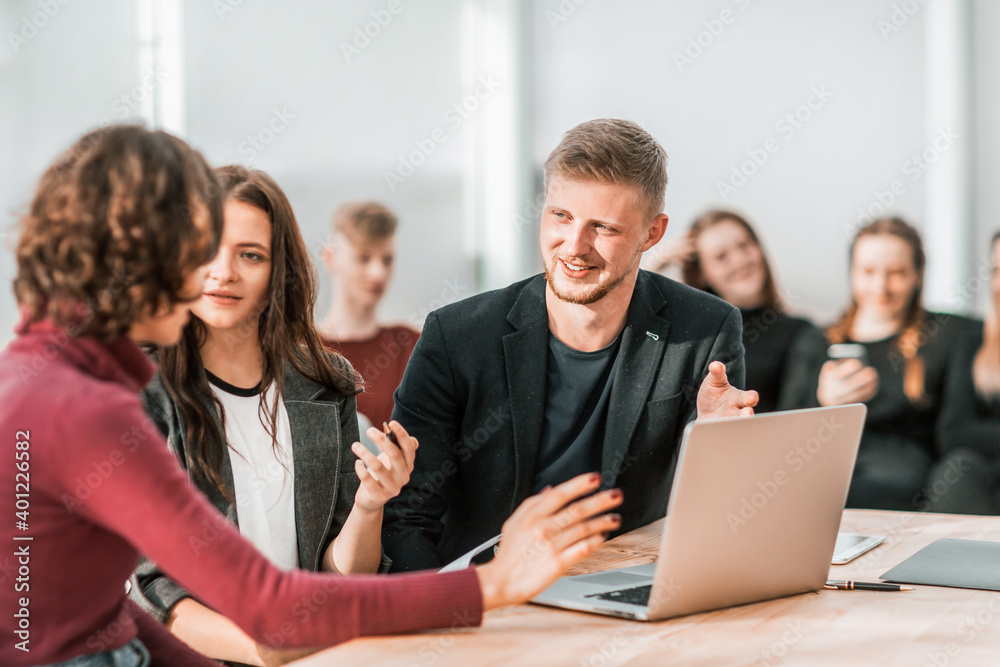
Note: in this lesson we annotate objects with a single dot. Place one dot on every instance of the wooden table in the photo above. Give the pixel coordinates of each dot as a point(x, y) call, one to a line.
point(929, 626)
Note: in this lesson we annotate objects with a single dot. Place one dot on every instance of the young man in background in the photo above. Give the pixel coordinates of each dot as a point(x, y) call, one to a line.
point(360, 258)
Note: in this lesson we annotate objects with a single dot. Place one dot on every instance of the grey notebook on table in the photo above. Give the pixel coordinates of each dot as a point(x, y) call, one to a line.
point(952, 563)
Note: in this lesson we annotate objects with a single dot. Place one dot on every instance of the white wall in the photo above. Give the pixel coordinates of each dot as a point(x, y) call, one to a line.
point(986, 110)
point(354, 117)
point(709, 113)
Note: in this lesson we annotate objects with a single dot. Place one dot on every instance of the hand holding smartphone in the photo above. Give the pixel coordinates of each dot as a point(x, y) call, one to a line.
point(848, 376)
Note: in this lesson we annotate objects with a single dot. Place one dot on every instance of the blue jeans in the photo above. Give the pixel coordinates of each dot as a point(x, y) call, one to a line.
point(133, 654)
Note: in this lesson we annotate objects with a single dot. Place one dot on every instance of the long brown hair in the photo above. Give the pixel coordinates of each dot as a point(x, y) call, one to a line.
point(691, 269)
point(285, 331)
point(986, 367)
point(117, 224)
point(908, 342)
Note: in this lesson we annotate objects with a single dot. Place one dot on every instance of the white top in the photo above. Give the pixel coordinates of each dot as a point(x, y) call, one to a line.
point(263, 473)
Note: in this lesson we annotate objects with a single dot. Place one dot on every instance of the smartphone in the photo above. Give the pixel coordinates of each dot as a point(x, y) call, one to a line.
point(848, 351)
point(851, 545)
point(363, 425)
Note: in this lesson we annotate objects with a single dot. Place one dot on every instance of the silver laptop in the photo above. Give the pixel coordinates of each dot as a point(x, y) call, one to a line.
point(753, 515)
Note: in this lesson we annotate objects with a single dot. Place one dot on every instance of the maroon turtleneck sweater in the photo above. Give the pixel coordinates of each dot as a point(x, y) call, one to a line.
point(100, 487)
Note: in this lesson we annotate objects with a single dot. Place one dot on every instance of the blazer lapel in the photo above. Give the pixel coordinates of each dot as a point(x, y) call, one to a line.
point(316, 465)
point(526, 361)
point(644, 340)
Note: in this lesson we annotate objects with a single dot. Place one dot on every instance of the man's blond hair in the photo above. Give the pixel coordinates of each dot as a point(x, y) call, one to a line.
point(364, 222)
point(613, 151)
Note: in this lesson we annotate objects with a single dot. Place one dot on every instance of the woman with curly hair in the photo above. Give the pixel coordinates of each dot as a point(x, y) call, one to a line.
point(108, 256)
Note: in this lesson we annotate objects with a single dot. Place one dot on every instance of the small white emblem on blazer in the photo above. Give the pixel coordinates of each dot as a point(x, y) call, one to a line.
point(652, 335)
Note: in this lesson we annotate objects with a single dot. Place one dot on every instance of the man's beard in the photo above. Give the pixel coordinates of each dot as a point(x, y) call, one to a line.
point(595, 294)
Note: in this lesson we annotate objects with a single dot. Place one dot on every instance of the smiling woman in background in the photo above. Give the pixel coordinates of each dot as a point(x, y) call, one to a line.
point(898, 367)
point(722, 255)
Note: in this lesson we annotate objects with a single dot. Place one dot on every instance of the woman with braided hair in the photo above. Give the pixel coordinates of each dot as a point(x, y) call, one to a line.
point(898, 365)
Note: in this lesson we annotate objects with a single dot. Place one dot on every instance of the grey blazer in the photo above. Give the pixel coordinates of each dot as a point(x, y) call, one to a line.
point(324, 424)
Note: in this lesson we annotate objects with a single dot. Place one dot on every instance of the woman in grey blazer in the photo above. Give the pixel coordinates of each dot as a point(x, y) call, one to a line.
point(264, 419)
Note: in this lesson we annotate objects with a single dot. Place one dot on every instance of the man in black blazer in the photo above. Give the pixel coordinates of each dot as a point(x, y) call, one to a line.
point(593, 366)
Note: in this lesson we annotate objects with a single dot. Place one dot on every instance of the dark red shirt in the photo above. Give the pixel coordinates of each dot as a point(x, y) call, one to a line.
point(380, 361)
point(100, 487)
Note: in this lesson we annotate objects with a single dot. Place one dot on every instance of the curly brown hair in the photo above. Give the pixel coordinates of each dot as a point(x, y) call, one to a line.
point(116, 225)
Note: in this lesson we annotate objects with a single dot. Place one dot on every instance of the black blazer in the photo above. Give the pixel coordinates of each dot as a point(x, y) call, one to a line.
point(473, 394)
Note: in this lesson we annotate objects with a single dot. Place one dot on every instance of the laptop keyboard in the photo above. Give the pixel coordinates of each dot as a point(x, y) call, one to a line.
point(638, 595)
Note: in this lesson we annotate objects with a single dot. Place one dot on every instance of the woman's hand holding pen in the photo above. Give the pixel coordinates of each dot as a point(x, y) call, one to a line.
point(384, 476)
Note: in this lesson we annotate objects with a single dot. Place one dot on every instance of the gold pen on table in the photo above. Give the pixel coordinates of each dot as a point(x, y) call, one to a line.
point(389, 434)
point(839, 585)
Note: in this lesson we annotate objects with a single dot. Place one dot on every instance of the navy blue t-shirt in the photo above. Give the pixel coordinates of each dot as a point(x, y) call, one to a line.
point(577, 393)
